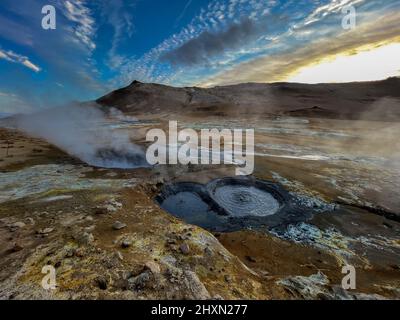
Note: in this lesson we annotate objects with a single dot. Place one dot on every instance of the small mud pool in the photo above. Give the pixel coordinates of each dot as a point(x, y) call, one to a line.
point(241, 198)
point(120, 159)
point(232, 204)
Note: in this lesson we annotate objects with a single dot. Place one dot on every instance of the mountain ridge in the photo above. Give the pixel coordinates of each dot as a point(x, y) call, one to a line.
point(373, 100)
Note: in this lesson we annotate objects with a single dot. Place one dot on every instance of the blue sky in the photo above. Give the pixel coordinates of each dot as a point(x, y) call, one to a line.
point(100, 45)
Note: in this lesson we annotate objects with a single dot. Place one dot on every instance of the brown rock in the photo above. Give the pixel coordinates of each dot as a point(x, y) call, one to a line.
point(153, 267)
point(85, 238)
point(118, 225)
point(184, 248)
point(126, 243)
point(102, 282)
point(250, 259)
point(45, 231)
point(16, 247)
point(100, 210)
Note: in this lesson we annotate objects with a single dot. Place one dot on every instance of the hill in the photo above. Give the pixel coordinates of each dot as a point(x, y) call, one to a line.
point(377, 100)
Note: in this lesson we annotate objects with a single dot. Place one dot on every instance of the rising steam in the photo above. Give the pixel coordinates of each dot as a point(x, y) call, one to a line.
point(84, 132)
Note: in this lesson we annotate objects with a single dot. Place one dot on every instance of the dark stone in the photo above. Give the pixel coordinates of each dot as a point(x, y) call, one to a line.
point(250, 259)
point(102, 283)
point(118, 225)
point(184, 248)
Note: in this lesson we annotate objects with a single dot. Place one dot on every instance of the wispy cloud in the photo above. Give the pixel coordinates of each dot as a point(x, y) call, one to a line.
point(215, 18)
point(332, 7)
point(208, 45)
point(205, 52)
point(65, 54)
point(17, 58)
point(6, 94)
point(118, 15)
point(81, 15)
point(275, 67)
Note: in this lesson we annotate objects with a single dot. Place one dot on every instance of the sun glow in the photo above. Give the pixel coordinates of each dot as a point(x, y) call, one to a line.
point(366, 64)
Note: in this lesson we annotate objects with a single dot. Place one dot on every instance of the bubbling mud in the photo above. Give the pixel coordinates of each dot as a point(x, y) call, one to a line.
point(232, 204)
point(190, 202)
point(243, 198)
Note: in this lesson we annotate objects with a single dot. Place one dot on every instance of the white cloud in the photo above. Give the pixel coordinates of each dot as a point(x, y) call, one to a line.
point(81, 15)
point(335, 6)
point(148, 68)
point(30, 65)
point(118, 15)
point(17, 58)
point(275, 67)
point(8, 95)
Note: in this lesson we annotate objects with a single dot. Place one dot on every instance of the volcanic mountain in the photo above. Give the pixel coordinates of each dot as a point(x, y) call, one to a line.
point(376, 100)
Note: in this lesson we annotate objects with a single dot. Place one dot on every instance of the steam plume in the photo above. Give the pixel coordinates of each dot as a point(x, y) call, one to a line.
point(83, 132)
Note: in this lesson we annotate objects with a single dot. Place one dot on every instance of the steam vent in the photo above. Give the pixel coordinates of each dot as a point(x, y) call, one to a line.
point(232, 204)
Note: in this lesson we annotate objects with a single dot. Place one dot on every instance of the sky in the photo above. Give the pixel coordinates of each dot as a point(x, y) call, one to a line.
point(101, 45)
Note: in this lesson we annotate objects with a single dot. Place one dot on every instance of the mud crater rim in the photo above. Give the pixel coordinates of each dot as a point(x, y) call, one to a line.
point(230, 204)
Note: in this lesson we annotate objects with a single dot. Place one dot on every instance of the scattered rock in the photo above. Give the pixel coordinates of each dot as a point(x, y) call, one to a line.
point(119, 255)
point(126, 243)
point(369, 297)
point(113, 205)
point(140, 282)
point(90, 228)
point(118, 225)
point(102, 282)
point(80, 252)
point(208, 251)
point(15, 226)
point(100, 210)
point(184, 248)
point(112, 261)
point(125, 275)
point(69, 252)
point(250, 259)
point(110, 206)
point(169, 260)
point(388, 225)
point(85, 238)
point(19, 224)
point(265, 273)
point(153, 267)
point(196, 288)
point(45, 231)
point(312, 287)
point(30, 221)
